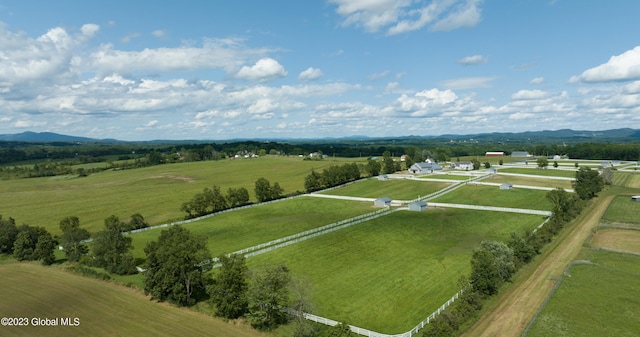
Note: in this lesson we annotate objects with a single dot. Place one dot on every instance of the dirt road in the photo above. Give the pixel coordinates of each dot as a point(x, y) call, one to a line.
point(517, 306)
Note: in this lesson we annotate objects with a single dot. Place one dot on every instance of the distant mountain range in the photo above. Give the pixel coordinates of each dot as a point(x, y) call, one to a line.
point(617, 135)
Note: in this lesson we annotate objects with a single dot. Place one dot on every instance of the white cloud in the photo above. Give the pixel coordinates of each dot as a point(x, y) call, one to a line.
point(380, 75)
point(468, 83)
point(474, 59)
point(623, 67)
point(401, 16)
point(159, 33)
point(530, 94)
point(537, 80)
point(264, 70)
point(310, 74)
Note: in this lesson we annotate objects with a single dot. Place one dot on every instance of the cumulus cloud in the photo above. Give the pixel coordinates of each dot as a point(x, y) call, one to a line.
point(537, 80)
point(468, 83)
point(397, 17)
point(310, 74)
point(474, 59)
point(623, 67)
point(529, 94)
point(264, 70)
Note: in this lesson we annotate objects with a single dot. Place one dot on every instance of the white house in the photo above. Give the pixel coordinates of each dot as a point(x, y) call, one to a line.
point(462, 165)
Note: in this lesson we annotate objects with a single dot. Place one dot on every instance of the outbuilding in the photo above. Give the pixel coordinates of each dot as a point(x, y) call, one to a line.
point(520, 154)
point(635, 198)
point(382, 202)
point(383, 177)
point(506, 186)
point(418, 206)
point(425, 167)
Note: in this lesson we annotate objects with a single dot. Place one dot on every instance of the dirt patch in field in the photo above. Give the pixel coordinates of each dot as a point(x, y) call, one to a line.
point(623, 239)
point(516, 307)
point(183, 178)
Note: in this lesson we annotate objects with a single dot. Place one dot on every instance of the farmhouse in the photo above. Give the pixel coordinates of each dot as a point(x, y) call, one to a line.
point(520, 154)
point(382, 202)
point(427, 167)
point(418, 206)
point(636, 198)
point(506, 186)
point(462, 165)
point(494, 154)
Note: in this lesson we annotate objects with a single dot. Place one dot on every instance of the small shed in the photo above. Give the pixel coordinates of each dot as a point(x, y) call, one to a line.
point(382, 202)
point(418, 206)
point(492, 170)
point(506, 186)
point(635, 198)
point(383, 177)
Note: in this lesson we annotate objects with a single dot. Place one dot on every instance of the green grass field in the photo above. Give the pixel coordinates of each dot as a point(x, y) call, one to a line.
point(447, 177)
point(492, 196)
point(549, 172)
point(626, 179)
point(232, 231)
point(597, 300)
point(623, 209)
point(103, 309)
point(156, 192)
point(529, 181)
point(390, 273)
point(393, 188)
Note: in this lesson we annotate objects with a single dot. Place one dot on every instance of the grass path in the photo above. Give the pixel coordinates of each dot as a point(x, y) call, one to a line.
point(516, 307)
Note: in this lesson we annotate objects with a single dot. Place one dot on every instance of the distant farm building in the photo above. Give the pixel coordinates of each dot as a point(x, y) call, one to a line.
point(557, 157)
point(492, 170)
point(462, 165)
point(425, 167)
point(506, 186)
point(383, 177)
point(635, 198)
point(418, 206)
point(382, 202)
point(494, 154)
point(520, 154)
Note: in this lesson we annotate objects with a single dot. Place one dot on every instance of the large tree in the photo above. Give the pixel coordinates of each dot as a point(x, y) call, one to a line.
point(8, 234)
point(228, 293)
point(175, 266)
point(73, 237)
point(268, 293)
point(588, 183)
point(265, 192)
point(34, 243)
point(111, 249)
point(237, 196)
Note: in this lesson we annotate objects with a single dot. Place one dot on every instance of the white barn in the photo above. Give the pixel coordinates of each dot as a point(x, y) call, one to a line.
point(382, 202)
point(418, 206)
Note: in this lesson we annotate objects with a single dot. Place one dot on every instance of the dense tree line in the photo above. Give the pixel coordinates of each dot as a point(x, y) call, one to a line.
point(332, 176)
point(26, 243)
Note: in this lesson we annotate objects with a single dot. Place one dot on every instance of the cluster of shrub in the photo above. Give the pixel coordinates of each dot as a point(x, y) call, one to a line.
point(211, 200)
point(110, 248)
point(494, 262)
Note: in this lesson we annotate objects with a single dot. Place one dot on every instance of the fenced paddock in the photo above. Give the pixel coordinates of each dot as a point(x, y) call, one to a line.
point(390, 273)
point(232, 231)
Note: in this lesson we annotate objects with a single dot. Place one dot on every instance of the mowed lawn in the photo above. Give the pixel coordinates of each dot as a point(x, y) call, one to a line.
point(600, 299)
point(156, 192)
point(623, 209)
point(529, 181)
point(233, 231)
point(103, 309)
point(549, 172)
point(398, 189)
point(390, 273)
point(493, 196)
point(626, 179)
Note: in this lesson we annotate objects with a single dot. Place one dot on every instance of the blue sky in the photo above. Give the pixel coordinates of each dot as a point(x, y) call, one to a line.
point(143, 70)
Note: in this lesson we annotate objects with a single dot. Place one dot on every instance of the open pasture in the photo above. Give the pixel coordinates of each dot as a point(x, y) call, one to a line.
point(103, 308)
point(534, 170)
point(626, 179)
point(233, 231)
point(528, 181)
point(615, 238)
point(390, 273)
point(479, 195)
point(599, 299)
point(399, 189)
point(156, 192)
point(623, 209)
